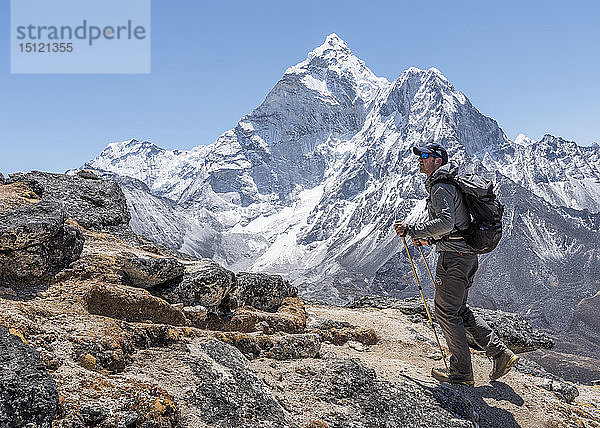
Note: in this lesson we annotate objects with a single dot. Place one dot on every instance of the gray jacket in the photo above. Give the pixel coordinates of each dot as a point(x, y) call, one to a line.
point(447, 212)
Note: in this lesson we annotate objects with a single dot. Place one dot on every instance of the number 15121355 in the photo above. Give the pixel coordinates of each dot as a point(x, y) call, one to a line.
point(46, 47)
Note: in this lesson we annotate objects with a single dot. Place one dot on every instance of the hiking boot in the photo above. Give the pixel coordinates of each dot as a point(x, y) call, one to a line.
point(441, 375)
point(503, 363)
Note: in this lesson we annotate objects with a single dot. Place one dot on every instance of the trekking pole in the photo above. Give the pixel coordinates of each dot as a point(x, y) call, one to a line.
point(424, 302)
point(427, 266)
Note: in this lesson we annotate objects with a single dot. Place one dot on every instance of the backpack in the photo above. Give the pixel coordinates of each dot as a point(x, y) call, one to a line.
point(485, 229)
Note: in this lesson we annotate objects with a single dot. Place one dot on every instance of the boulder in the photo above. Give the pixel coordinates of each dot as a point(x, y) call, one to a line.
point(316, 322)
point(94, 204)
point(204, 283)
point(228, 393)
point(513, 329)
point(37, 263)
point(148, 272)
point(28, 394)
point(290, 318)
point(196, 314)
point(88, 174)
point(28, 225)
point(275, 346)
point(262, 291)
point(131, 304)
point(340, 332)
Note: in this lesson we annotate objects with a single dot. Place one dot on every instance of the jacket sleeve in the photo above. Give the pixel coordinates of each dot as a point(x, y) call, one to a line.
point(442, 223)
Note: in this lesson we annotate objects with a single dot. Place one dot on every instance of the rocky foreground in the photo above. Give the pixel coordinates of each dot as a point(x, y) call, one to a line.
point(100, 327)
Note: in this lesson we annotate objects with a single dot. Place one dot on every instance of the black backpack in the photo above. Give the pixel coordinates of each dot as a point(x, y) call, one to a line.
point(485, 229)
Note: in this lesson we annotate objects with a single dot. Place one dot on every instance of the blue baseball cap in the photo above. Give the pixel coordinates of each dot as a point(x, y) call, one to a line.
point(434, 149)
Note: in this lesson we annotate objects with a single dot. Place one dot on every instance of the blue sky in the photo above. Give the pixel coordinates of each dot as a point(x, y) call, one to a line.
point(532, 66)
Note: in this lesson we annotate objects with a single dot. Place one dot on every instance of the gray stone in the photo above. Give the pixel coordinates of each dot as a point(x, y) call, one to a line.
point(372, 402)
point(204, 283)
point(94, 204)
point(37, 263)
point(513, 329)
point(148, 272)
point(262, 291)
point(275, 346)
point(231, 395)
point(562, 389)
point(316, 322)
point(28, 394)
point(27, 225)
point(196, 314)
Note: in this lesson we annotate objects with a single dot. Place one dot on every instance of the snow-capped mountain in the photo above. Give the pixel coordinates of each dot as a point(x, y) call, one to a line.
point(310, 182)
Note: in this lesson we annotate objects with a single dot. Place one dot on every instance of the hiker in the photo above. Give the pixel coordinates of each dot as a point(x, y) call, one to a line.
point(456, 267)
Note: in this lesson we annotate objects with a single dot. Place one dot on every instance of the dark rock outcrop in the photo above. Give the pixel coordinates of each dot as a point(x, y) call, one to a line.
point(148, 272)
point(513, 329)
point(204, 283)
point(35, 243)
point(28, 394)
point(24, 226)
point(36, 264)
point(94, 204)
point(231, 395)
point(262, 291)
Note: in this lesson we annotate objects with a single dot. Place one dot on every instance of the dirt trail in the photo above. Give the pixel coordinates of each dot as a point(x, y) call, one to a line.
point(405, 353)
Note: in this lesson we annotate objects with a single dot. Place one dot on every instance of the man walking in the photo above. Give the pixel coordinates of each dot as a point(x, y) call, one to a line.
point(455, 271)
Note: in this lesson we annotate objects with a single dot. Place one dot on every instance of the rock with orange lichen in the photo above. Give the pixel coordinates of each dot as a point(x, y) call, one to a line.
point(289, 318)
point(131, 304)
point(92, 399)
point(277, 346)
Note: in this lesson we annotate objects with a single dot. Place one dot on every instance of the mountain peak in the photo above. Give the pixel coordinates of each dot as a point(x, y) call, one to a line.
point(333, 47)
point(333, 41)
point(523, 140)
point(334, 58)
point(333, 52)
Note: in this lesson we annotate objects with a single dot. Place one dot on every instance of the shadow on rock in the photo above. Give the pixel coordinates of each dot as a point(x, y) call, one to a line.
point(500, 391)
point(468, 402)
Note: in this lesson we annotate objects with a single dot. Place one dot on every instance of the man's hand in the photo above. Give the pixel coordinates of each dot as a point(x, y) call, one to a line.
point(401, 228)
point(419, 242)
